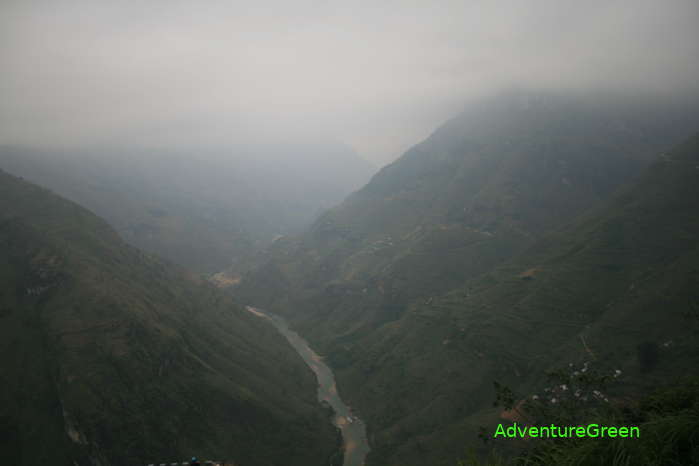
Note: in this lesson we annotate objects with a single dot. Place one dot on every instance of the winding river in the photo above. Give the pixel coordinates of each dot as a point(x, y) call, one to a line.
point(353, 430)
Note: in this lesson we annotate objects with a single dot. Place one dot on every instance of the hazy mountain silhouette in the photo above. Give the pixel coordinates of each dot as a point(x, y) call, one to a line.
point(202, 208)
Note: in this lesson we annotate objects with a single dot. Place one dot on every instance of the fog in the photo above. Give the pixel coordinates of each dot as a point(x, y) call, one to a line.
point(377, 76)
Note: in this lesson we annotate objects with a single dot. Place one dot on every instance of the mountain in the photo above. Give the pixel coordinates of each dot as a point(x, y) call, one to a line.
point(112, 357)
point(617, 280)
point(399, 287)
point(206, 209)
point(482, 189)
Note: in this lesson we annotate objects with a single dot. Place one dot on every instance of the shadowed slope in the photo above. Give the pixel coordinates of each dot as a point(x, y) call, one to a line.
point(111, 357)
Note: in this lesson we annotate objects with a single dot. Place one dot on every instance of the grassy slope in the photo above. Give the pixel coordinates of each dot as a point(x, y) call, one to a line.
point(110, 355)
point(625, 274)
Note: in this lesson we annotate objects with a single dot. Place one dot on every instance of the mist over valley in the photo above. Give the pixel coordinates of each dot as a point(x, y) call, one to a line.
point(376, 233)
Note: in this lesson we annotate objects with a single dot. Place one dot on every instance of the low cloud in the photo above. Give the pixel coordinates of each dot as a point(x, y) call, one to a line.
point(376, 75)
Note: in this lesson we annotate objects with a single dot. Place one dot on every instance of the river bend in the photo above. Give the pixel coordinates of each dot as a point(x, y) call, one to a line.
point(353, 430)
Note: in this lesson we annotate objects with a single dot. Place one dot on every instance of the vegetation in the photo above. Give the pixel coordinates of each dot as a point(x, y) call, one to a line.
point(668, 420)
point(485, 253)
point(528, 234)
point(593, 296)
point(110, 356)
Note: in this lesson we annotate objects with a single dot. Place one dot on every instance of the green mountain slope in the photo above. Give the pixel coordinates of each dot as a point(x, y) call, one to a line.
point(481, 189)
point(367, 283)
point(111, 357)
point(619, 279)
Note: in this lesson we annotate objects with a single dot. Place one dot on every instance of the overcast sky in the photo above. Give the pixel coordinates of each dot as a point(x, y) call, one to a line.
point(378, 75)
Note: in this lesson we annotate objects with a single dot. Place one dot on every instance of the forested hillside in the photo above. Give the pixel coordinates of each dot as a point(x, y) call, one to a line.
point(619, 288)
point(483, 188)
point(370, 282)
point(110, 356)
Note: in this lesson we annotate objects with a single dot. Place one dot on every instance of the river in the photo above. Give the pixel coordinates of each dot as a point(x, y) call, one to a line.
point(353, 430)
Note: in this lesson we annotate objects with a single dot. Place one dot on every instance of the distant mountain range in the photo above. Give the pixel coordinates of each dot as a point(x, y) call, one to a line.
point(523, 228)
point(111, 356)
point(205, 209)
